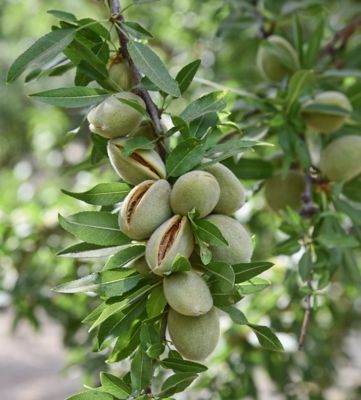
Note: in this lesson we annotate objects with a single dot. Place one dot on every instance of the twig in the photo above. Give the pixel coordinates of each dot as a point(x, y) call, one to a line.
point(263, 32)
point(309, 208)
point(117, 19)
point(341, 36)
point(306, 320)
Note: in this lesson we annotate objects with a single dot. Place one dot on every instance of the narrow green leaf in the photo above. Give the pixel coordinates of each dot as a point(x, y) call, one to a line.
point(184, 157)
point(88, 57)
point(134, 104)
point(141, 370)
point(346, 208)
point(72, 97)
point(153, 68)
point(222, 298)
point(125, 256)
point(114, 386)
point(179, 365)
point(314, 44)
point(156, 302)
point(351, 189)
point(223, 273)
point(42, 51)
point(186, 75)
point(342, 73)
point(181, 126)
point(298, 84)
point(245, 271)
point(205, 253)
point(320, 108)
point(267, 339)
point(96, 227)
point(211, 102)
point(116, 283)
point(125, 344)
point(104, 194)
point(137, 143)
point(305, 266)
point(177, 383)
point(118, 306)
point(89, 283)
point(236, 315)
point(88, 250)
point(120, 324)
point(94, 314)
point(209, 233)
point(137, 30)
point(150, 340)
point(233, 146)
point(298, 37)
point(180, 263)
point(91, 395)
point(253, 286)
point(202, 128)
point(63, 15)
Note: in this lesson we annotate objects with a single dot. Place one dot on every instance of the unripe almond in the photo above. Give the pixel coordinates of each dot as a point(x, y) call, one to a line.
point(327, 122)
point(233, 195)
point(139, 166)
point(341, 159)
point(194, 337)
point(270, 64)
point(112, 118)
point(121, 75)
point(145, 208)
point(173, 237)
point(195, 189)
point(187, 293)
point(285, 191)
point(239, 249)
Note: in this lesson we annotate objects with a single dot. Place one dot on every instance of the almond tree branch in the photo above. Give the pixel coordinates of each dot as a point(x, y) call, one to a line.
point(306, 320)
point(117, 19)
point(308, 207)
point(339, 40)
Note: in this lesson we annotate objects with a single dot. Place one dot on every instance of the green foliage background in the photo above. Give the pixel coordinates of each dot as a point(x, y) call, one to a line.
point(38, 157)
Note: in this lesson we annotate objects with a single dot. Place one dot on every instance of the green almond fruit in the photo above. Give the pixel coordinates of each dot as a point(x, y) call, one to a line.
point(113, 118)
point(195, 190)
point(194, 337)
point(285, 191)
point(187, 293)
point(141, 165)
point(173, 237)
point(239, 249)
point(327, 122)
point(121, 75)
point(270, 63)
point(145, 208)
point(341, 159)
point(233, 194)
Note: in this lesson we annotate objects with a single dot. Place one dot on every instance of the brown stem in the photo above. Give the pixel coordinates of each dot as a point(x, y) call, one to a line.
point(308, 207)
point(117, 19)
point(306, 320)
point(341, 36)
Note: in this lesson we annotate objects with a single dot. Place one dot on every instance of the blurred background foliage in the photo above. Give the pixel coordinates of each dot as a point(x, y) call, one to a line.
point(40, 153)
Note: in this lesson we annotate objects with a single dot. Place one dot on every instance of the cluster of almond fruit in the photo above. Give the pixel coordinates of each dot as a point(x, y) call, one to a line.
point(325, 113)
point(156, 212)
